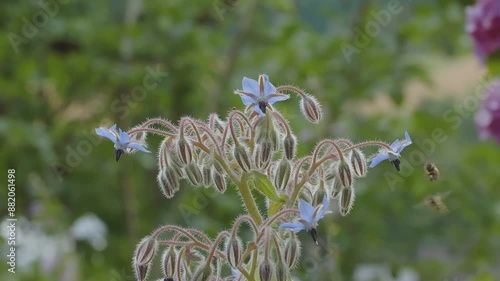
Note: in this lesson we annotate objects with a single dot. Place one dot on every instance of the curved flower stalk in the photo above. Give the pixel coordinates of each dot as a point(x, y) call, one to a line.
point(253, 149)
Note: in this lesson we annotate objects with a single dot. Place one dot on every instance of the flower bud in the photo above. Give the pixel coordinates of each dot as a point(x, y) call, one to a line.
point(318, 196)
point(193, 174)
point(292, 252)
point(241, 156)
point(168, 182)
point(290, 146)
point(358, 163)
point(169, 262)
point(346, 200)
point(281, 272)
point(206, 170)
point(144, 254)
point(311, 109)
point(344, 174)
point(274, 139)
point(174, 162)
point(234, 251)
point(263, 155)
point(218, 167)
point(266, 270)
point(220, 182)
point(184, 151)
point(283, 172)
point(203, 273)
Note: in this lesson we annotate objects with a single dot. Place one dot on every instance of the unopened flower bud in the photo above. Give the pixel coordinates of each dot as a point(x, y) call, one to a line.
point(234, 251)
point(318, 196)
point(292, 252)
point(344, 173)
point(206, 170)
point(218, 167)
point(241, 156)
point(168, 182)
point(358, 163)
point(266, 270)
point(263, 154)
point(184, 151)
point(144, 254)
point(290, 146)
point(281, 272)
point(274, 139)
point(174, 162)
point(220, 182)
point(311, 109)
point(283, 172)
point(346, 200)
point(203, 273)
point(193, 174)
point(169, 262)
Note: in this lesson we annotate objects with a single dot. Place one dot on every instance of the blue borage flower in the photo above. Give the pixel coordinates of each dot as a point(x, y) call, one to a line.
point(235, 274)
point(309, 217)
point(121, 140)
point(392, 155)
point(259, 94)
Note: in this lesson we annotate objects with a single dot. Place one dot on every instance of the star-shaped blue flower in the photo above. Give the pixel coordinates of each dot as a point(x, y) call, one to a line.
point(393, 154)
point(121, 140)
point(309, 217)
point(259, 94)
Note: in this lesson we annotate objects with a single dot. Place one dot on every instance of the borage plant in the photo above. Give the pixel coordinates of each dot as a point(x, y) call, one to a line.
point(254, 149)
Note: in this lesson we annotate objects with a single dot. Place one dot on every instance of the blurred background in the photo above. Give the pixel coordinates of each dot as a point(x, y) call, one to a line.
point(378, 67)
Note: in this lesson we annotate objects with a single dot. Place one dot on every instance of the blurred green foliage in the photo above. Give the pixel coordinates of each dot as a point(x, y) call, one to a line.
point(83, 64)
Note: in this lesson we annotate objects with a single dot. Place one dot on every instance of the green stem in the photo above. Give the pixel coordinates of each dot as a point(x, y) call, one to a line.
point(248, 199)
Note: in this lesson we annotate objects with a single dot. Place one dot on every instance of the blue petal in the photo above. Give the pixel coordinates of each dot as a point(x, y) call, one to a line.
point(256, 108)
point(247, 100)
point(294, 226)
point(106, 133)
point(124, 138)
point(379, 158)
point(321, 214)
point(268, 87)
point(277, 97)
point(251, 86)
point(395, 145)
point(306, 211)
point(137, 146)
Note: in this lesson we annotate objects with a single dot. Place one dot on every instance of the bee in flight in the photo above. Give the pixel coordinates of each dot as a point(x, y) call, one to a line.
point(431, 170)
point(436, 202)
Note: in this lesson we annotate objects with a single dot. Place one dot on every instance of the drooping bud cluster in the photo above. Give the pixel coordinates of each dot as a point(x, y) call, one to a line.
point(143, 257)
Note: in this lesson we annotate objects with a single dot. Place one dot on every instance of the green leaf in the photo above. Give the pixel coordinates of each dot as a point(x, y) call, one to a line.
point(274, 207)
point(262, 183)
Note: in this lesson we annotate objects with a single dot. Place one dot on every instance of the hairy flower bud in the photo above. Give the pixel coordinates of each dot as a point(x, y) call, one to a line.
point(193, 174)
point(168, 182)
point(292, 252)
point(358, 163)
point(169, 262)
point(283, 172)
point(266, 270)
point(311, 109)
point(318, 195)
point(144, 254)
point(184, 151)
point(281, 272)
point(241, 156)
point(206, 170)
point(263, 154)
point(234, 251)
point(218, 167)
point(290, 146)
point(344, 173)
point(174, 162)
point(203, 273)
point(346, 200)
point(220, 182)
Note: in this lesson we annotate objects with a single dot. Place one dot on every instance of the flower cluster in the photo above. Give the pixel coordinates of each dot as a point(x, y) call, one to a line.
point(488, 116)
point(253, 149)
point(483, 25)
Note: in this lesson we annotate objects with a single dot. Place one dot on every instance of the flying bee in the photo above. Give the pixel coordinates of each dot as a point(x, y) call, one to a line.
point(436, 202)
point(431, 170)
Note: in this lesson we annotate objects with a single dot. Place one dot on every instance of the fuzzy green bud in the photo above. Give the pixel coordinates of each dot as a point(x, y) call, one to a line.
point(194, 174)
point(281, 272)
point(266, 270)
point(203, 273)
point(241, 156)
point(283, 173)
point(311, 109)
point(184, 151)
point(358, 163)
point(220, 182)
point(344, 174)
point(290, 146)
point(346, 200)
point(169, 262)
point(206, 170)
point(234, 251)
point(144, 254)
point(168, 182)
point(292, 252)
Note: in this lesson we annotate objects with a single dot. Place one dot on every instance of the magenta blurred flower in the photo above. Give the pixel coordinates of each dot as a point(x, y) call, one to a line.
point(488, 116)
point(483, 24)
